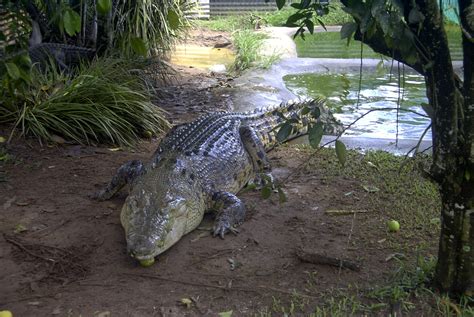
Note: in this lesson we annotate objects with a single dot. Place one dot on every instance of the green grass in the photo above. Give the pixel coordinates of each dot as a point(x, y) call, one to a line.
point(248, 44)
point(226, 24)
point(330, 45)
point(403, 193)
point(336, 16)
point(105, 102)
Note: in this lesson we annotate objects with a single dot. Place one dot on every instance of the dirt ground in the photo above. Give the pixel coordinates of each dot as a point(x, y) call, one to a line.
point(63, 254)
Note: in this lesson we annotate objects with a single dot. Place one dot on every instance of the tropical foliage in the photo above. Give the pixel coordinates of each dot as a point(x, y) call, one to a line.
point(106, 101)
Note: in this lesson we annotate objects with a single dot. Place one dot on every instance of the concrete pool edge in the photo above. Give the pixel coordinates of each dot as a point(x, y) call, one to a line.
point(260, 88)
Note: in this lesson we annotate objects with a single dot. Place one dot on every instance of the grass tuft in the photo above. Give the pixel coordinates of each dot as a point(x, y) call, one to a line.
point(248, 44)
point(105, 102)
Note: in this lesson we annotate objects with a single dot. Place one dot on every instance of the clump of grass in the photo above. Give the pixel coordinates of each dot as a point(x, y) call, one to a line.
point(227, 24)
point(105, 102)
point(248, 44)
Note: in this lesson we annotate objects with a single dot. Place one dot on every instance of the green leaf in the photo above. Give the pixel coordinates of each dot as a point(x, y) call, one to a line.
point(139, 46)
point(316, 113)
point(341, 152)
point(266, 191)
point(25, 60)
point(315, 134)
point(282, 196)
point(12, 70)
point(305, 111)
point(292, 19)
point(104, 6)
point(296, 5)
point(71, 22)
point(284, 132)
point(173, 19)
point(280, 4)
point(310, 25)
point(25, 75)
point(322, 24)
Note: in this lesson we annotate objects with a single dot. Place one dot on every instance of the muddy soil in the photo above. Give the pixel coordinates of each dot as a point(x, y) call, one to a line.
point(63, 254)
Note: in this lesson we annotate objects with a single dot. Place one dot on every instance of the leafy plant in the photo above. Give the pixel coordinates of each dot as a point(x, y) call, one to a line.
point(148, 26)
point(248, 44)
point(106, 102)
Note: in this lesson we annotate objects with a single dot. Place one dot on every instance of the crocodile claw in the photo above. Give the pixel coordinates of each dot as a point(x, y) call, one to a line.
point(222, 227)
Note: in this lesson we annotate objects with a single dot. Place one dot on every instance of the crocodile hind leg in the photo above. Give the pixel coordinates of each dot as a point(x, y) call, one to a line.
point(255, 149)
point(126, 174)
point(231, 213)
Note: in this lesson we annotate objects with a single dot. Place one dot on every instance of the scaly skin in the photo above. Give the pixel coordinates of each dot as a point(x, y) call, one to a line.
point(198, 166)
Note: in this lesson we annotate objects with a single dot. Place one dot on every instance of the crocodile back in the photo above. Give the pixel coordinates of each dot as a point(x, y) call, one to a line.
point(215, 134)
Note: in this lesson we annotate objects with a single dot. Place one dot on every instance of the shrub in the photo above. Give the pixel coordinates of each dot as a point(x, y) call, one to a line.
point(105, 102)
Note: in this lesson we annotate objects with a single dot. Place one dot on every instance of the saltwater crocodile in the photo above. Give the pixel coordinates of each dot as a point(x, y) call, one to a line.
point(200, 166)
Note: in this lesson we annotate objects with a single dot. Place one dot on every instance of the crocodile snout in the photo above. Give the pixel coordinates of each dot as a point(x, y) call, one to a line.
point(141, 248)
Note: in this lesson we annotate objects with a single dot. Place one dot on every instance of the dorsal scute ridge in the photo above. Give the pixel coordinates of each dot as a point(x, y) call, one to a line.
point(203, 134)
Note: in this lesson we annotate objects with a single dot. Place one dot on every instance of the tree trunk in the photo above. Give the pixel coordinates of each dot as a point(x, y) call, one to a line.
point(452, 146)
point(453, 134)
point(455, 269)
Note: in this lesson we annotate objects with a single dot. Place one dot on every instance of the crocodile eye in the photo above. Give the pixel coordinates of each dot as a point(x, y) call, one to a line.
point(178, 206)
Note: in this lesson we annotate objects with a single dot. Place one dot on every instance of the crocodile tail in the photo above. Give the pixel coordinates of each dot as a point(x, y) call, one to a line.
point(63, 54)
point(300, 114)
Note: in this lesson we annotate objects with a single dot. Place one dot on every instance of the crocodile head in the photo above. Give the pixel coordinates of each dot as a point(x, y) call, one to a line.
point(155, 213)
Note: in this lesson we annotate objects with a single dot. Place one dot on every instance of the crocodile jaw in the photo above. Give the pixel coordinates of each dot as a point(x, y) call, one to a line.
point(172, 226)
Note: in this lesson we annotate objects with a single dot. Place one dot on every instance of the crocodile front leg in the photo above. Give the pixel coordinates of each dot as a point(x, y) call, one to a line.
point(231, 212)
point(126, 174)
point(255, 149)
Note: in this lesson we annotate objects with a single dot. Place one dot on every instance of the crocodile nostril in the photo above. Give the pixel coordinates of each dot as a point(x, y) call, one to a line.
point(141, 247)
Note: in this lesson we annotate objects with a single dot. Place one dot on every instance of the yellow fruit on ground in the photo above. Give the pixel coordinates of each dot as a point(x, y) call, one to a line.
point(144, 263)
point(393, 226)
point(6, 313)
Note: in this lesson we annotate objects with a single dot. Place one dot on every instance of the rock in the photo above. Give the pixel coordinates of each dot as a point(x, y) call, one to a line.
point(218, 68)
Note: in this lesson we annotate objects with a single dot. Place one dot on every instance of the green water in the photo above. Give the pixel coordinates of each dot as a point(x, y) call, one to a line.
point(376, 91)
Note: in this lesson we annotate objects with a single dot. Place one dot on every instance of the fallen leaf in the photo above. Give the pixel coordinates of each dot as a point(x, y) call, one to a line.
point(393, 256)
point(19, 228)
point(186, 302)
point(115, 149)
point(370, 188)
point(371, 164)
point(226, 313)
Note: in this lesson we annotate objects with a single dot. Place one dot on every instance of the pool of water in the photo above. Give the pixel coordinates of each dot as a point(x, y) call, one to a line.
point(377, 91)
point(200, 56)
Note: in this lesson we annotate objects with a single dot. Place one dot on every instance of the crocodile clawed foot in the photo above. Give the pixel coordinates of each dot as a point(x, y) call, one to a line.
point(264, 179)
point(222, 227)
point(101, 195)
